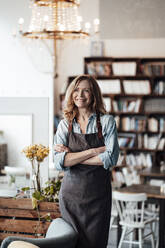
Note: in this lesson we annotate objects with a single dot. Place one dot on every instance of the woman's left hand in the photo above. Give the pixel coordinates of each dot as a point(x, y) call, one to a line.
point(61, 148)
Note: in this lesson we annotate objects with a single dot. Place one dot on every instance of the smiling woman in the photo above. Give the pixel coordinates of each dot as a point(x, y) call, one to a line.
point(82, 94)
point(86, 147)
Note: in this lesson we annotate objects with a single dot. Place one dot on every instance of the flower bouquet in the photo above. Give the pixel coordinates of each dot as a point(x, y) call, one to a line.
point(36, 154)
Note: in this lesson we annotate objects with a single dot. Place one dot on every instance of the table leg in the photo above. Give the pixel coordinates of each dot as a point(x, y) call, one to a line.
point(161, 223)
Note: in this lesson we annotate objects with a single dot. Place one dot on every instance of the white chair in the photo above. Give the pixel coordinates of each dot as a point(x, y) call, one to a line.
point(153, 210)
point(114, 215)
point(130, 208)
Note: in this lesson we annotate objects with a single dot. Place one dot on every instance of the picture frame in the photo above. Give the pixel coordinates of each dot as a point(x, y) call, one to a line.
point(97, 48)
point(17, 135)
point(99, 68)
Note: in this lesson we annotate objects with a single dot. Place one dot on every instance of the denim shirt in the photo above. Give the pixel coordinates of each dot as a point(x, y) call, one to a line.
point(109, 157)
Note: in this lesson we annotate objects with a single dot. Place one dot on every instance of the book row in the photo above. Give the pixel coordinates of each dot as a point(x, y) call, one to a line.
point(109, 68)
point(142, 141)
point(140, 160)
point(153, 69)
point(142, 124)
point(159, 88)
point(113, 86)
point(126, 105)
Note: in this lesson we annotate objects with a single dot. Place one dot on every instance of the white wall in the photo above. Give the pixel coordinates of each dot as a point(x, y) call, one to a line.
point(18, 77)
point(135, 48)
point(129, 19)
point(17, 71)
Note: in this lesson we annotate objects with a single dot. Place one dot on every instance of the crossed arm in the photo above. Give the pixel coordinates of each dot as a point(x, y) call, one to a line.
point(105, 156)
point(89, 156)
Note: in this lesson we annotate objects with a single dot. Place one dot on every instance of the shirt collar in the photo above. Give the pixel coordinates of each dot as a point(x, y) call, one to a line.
point(93, 115)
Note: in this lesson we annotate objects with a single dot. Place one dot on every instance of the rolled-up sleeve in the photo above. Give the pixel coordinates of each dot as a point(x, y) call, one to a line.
point(61, 138)
point(110, 156)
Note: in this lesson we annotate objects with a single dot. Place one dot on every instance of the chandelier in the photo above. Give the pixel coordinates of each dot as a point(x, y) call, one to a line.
point(56, 19)
point(51, 22)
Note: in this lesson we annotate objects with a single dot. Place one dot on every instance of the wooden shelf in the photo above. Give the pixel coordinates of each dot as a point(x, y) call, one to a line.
point(139, 132)
point(140, 113)
point(138, 149)
point(136, 77)
point(134, 95)
point(148, 71)
point(127, 77)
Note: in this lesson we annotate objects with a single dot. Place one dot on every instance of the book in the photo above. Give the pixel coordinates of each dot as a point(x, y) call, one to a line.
point(120, 159)
point(154, 68)
point(161, 144)
point(107, 102)
point(161, 87)
point(124, 68)
point(143, 159)
point(145, 140)
point(140, 141)
point(110, 86)
point(153, 124)
point(161, 124)
point(154, 105)
point(125, 123)
point(126, 139)
point(115, 106)
point(138, 87)
point(148, 160)
point(131, 106)
point(131, 160)
point(151, 142)
point(137, 105)
point(117, 120)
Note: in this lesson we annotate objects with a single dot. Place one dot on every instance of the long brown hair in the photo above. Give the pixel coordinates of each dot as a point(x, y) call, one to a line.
point(97, 105)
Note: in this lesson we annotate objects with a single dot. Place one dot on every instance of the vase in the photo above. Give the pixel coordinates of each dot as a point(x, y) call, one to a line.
point(35, 176)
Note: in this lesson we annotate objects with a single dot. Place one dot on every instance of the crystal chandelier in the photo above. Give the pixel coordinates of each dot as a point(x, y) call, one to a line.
point(55, 19)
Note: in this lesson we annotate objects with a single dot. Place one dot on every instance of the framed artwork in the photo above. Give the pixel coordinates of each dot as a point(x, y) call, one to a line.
point(97, 48)
point(99, 68)
point(18, 133)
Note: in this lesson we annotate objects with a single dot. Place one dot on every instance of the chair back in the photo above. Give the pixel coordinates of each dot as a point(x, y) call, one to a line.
point(130, 207)
point(60, 228)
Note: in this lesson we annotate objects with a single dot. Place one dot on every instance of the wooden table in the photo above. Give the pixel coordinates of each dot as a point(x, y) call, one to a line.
point(18, 218)
point(153, 192)
point(152, 173)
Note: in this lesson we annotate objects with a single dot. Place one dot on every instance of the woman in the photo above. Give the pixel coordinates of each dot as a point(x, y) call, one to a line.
point(86, 148)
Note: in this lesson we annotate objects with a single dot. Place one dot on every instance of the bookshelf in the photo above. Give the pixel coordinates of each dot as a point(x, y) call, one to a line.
point(134, 93)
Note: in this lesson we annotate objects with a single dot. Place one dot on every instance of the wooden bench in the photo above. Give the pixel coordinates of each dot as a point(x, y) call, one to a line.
point(18, 218)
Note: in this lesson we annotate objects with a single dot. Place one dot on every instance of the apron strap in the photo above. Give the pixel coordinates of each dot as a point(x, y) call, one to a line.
point(99, 127)
point(100, 135)
point(70, 127)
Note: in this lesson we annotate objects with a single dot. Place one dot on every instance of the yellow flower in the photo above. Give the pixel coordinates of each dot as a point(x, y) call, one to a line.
point(38, 152)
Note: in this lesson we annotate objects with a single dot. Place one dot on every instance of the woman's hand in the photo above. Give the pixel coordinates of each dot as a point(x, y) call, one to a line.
point(61, 148)
point(99, 150)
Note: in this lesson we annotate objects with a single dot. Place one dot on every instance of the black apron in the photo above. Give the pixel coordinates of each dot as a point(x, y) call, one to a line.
point(85, 194)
